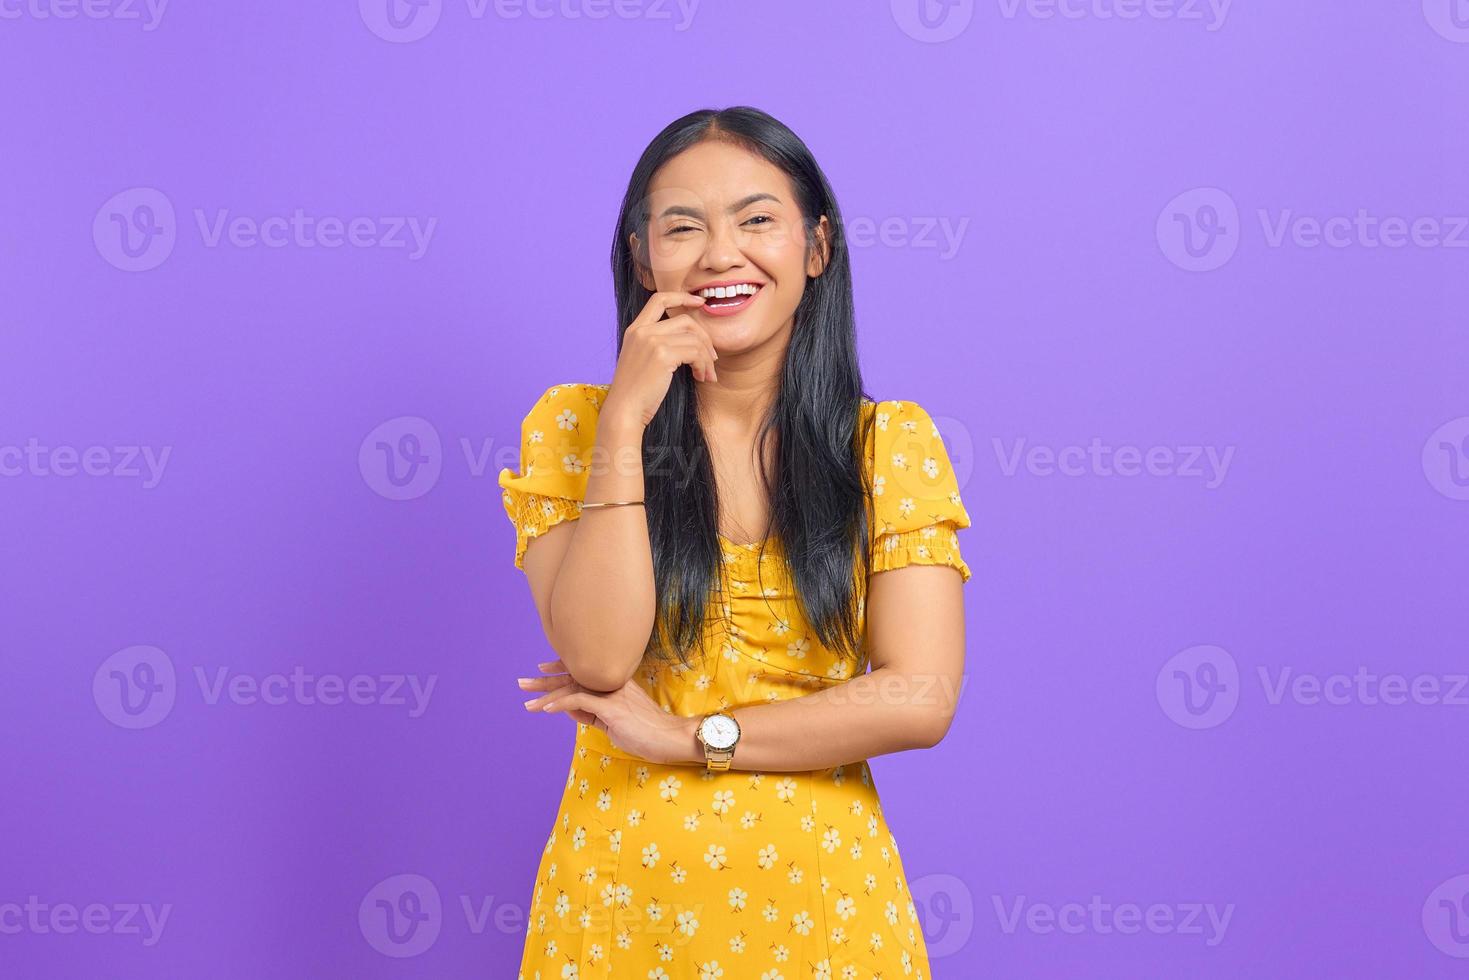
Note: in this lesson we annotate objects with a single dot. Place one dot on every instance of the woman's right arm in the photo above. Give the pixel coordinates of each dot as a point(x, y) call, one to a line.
point(592, 578)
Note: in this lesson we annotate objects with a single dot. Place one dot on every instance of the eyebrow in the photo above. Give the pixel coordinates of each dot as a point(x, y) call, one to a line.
point(734, 208)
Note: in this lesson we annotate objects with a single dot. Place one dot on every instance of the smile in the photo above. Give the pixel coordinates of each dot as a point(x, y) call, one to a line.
point(731, 299)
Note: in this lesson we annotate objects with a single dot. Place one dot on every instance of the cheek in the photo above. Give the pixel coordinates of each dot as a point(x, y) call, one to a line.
point(671, 260)
point(785, 259)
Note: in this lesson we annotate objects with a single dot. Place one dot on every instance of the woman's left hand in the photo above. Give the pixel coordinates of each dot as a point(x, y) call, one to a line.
point(632, 720)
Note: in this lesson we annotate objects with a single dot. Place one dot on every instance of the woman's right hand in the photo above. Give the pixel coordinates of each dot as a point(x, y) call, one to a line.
point(652, 349)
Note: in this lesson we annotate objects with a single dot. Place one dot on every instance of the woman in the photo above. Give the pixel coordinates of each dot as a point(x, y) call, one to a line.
point(715, 616)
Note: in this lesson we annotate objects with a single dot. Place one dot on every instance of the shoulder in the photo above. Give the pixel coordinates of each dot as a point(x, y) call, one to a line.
point(900, 415)
point(899, 427)
point(912, 472)
point(569, 395)
point(567, 410)
point(557, 434)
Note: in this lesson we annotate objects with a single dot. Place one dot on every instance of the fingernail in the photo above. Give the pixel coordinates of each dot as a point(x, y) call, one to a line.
point(523, 681)
point(530, 702)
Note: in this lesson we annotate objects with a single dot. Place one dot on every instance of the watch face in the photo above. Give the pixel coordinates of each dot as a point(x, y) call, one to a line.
point(719, 731)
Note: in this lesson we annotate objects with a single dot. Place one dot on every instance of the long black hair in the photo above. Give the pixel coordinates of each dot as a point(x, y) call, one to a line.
point(819, 493)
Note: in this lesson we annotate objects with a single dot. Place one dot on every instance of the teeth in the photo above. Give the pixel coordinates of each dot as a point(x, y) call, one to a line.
point(729, 292)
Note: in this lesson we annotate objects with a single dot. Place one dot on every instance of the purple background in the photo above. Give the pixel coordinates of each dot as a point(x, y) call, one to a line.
point(1072, 309)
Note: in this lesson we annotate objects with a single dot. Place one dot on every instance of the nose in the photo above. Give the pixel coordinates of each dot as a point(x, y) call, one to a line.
point(723, 250)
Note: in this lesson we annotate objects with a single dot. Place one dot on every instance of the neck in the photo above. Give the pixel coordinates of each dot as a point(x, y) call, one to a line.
point(736, 404)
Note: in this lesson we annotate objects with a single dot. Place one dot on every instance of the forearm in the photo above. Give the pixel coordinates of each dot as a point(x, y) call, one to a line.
point(603, 602)
point(872, 714)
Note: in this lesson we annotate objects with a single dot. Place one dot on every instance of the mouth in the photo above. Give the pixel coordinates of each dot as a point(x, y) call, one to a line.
point(731, 299)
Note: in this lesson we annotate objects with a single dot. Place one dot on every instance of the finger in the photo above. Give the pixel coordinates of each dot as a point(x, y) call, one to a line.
point(552, 666)
point(555, 697)
point(687, 325)
point(541, 683)
point(700, 332)
point(576, 700)
point(660, 303)
point(691, 351)
point(540, 703)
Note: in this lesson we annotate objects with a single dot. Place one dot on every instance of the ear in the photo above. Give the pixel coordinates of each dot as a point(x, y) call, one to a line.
point(645, 275)
point(820, 252)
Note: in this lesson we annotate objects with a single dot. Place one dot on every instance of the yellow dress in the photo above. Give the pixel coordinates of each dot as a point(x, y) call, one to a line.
point(668, 872)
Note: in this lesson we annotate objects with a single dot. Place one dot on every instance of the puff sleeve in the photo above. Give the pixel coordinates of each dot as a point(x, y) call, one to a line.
point(556, 440)
point(915, 492)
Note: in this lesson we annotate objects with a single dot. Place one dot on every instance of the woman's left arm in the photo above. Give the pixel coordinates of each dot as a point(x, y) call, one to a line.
point(915, 630)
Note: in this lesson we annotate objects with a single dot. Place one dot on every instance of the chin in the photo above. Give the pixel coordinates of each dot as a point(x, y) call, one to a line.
point(732, 338)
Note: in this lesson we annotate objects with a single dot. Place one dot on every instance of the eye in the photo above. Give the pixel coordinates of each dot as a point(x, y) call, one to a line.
point(762, 218)
point(679, 229)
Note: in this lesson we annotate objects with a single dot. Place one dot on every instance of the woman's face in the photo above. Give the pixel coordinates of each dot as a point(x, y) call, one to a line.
point(721, 216)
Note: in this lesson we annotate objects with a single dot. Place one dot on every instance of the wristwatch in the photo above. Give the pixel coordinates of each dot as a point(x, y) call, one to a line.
point(718, 733)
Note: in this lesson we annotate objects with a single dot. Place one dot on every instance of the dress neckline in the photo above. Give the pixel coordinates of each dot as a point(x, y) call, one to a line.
point(752, 544)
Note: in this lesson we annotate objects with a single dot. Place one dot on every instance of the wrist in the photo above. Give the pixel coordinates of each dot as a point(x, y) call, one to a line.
point(688, 751)
point(624, 423)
